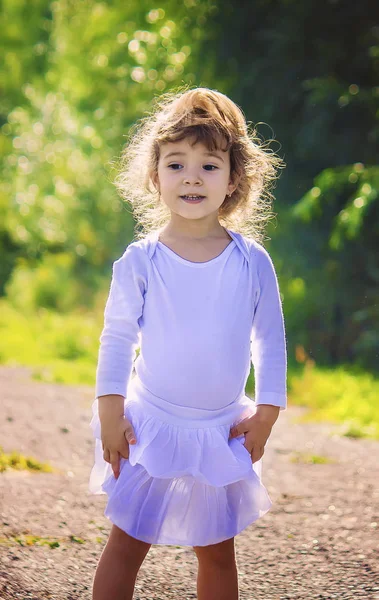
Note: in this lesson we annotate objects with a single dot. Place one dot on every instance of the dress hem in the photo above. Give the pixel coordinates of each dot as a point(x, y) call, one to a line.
point(171, 542)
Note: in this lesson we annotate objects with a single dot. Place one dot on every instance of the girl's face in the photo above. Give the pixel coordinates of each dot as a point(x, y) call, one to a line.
point(192, 181)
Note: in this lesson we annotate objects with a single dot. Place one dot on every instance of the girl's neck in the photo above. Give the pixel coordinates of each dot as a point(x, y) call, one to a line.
point(194, 230)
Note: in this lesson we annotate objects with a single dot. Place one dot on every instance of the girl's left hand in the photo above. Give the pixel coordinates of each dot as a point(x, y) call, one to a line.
point(257, 431)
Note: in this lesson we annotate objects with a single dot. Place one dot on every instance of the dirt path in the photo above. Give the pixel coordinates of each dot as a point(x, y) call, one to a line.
point(319, 540)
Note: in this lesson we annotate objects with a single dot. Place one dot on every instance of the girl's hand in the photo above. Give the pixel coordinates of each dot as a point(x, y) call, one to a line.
point(257, 431)
point(116, 435)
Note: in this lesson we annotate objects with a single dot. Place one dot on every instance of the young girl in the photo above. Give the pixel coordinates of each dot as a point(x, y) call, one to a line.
point(179, 444)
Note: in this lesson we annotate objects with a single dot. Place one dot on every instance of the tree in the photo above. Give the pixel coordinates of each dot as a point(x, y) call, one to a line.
point(310, 70)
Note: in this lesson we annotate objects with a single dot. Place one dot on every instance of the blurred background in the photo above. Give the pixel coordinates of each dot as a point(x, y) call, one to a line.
point(76, 74)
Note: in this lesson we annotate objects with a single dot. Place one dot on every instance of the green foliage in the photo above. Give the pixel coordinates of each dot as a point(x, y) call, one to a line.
point(80, 74)
point(356, 183)
point(63, 349)
point(343, 206)
point(49, 284)
point(340, 396)
point(75, 82)
point(316, 88)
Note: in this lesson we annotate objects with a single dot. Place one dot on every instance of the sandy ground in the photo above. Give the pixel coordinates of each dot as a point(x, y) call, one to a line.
point(319, 540)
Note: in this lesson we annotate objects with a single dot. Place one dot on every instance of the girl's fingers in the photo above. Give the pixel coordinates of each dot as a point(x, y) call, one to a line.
point(106, 455)
point(115, 463)
point(257, 453)
point(129, 433)
point(124, 450)
point(239, 428)
point(113, 458)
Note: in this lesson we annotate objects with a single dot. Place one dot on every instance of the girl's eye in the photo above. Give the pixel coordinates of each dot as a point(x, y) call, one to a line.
point(175, 165)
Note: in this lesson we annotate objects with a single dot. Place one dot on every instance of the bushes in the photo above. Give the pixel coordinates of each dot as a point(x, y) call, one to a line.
point(49, 285)
point(340, 395)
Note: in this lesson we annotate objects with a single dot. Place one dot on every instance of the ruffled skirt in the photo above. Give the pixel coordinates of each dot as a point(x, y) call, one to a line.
point(184, 483)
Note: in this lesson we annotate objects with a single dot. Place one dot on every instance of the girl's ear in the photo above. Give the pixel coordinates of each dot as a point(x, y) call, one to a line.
point(231, 188)
point(233, 183)
point(155, 179)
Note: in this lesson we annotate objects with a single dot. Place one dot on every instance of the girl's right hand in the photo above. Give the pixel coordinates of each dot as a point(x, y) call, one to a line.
point(116, 435)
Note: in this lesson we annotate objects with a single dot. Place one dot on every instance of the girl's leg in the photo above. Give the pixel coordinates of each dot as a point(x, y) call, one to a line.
point(119, 564)
point(217, 577)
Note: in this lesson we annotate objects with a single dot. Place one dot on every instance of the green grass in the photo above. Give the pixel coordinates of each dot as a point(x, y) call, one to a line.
point(64, 349)
point(36, 540)
point(310, 459)
point(344, 396)
point(61, 348)
point(19, 462)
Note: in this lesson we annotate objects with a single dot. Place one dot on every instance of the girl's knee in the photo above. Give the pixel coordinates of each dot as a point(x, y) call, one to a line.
point(127, 546)
point(221, 554)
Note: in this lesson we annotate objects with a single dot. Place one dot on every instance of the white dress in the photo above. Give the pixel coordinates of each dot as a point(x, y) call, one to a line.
point(199, 326)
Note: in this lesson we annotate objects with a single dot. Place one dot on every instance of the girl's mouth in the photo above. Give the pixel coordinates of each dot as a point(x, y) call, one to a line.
point(192, 199)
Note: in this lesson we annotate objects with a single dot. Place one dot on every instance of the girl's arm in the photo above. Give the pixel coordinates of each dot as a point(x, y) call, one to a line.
point(268, 340)
point(120, 335)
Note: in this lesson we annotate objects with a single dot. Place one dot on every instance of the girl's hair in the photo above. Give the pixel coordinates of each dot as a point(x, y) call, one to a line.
point(210, 117)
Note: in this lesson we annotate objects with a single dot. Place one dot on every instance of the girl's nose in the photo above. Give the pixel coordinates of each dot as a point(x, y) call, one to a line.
point(192, 178)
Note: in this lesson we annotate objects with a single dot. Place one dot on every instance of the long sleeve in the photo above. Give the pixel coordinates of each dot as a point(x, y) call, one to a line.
point(268, 340)
point(120, 335)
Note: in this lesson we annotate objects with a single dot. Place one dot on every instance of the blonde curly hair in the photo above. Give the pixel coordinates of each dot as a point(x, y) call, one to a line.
point(209, 117)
